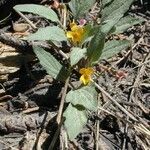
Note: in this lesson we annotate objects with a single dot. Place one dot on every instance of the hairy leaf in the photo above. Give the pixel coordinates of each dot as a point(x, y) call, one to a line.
point(88, 33)
point(85, 96)
point(126, 22)
point(48, 33)
point(96, 46)
point(117, 7)
point(113, 47)
point(108, 25)
point(105, 2)
point(80, 7)
point(50, 64)
point(112, 13)
point(76, 55)
point(40, 10)
point(76, 119)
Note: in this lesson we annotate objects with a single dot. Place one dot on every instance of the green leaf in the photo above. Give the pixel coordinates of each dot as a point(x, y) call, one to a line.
point(108, 25)
point(112, 13)
point(40, 10)
point(88, 32)
point(76, 55)
point(50, 64)
point(80, 7)
point(113, 47)
point(85, 96)
point(126, 22)
point(117, 7)
point(76, 119)
point(48, 33)
point(95, 48)
point(105, 2)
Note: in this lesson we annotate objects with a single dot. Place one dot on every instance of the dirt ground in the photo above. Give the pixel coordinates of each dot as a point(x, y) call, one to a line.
point(29, 98)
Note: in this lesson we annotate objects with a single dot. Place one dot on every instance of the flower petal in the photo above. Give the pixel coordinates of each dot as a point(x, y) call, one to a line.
point(82, 71)
point(76, 33)
point(69, 34)
point(86, 74)
point(75, 28)
point(89, 71)
point(84, 79)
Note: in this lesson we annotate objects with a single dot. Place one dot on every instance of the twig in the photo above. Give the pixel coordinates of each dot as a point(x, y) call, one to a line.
point(137, 81)
point(8, 146)
point(52, 144)
point(63, 140)
point(135, 84)
point(117, 146)
point(43, 125)
point(30, 110)
point(130, 51)
point(144, 44)
point(58, 50)
point(116, 103)
point(5, 98)
point(97, 131)
point(16, 43)
point(64, 12)
point(58, 119)
point(26, 19)
point(140, 65)
point(142, 129)
point(101, 109)
point(66, 140)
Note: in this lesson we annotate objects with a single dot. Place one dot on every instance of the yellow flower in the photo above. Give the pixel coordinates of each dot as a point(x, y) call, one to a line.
point(86, 74)
point(76, 33)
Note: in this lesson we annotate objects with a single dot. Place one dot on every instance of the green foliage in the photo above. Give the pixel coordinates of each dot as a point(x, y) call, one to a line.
point(112, 13)
point(91, 48)
point(107, 26)
point(85, 96)
point(89, 31)
point(106, 2)
point(126, 22)
point(80, 7)
point(113, 47)
point(76, 55)
point(76, 119)
point(51, 65)
point(53, 33)
point(96, 46)
point(40, 10)
point(116, 7)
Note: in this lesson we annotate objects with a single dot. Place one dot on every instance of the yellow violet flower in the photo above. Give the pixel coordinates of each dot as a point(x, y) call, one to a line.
point(86, 74)
point(76, 33)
